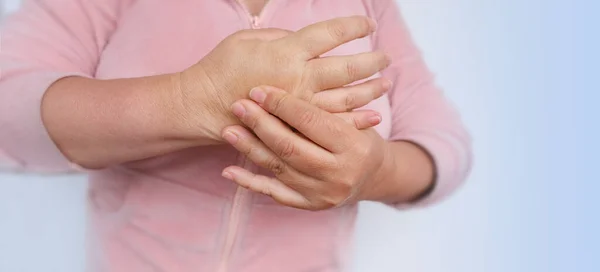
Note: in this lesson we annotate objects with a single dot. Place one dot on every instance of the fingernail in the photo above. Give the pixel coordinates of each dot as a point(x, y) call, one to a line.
point(230, 137)
point(374, 119)
point(227, 175)
point(387, 85)
point(258, 95)
point(238, 109)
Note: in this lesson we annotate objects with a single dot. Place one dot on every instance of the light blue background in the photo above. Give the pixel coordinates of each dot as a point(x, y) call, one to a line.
point(525, 76)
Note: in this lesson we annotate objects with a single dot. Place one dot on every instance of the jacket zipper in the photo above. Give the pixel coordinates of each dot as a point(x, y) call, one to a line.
point(239, 199)
point(241, 194)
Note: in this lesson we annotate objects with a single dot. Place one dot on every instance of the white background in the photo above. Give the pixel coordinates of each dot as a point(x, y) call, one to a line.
point(42, 217)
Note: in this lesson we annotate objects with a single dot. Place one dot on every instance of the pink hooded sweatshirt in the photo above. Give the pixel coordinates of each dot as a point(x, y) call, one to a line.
point(176, 213)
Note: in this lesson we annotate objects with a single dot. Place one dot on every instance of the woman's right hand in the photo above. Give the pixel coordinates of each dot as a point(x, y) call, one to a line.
point(283, 59)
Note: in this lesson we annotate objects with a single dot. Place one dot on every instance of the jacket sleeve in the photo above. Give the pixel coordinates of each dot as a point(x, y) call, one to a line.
point(42, 42)
point(420, 112)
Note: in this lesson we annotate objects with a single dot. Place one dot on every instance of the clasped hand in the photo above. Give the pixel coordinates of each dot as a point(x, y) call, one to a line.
point(325, 165)
point(329, 161)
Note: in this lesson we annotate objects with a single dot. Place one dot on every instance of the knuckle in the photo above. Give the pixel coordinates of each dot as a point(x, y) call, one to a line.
point(285, 148)
point(320, 166)
point(337, 30)
point(253, 122)
point(266, 190)
point(350, 101)
point(338, 194)
point(314, 99)
point(309, 46)
point(241, 34)
point(336, 129)
point(317, 76)
point(305, 76)
point(280, 57)
point(307, 118)
point(363, 150)
point(327, 103)
point(352, 69)
point(276, 166)
point(245, 32)
point(313, 70)
point(276, 102)
point(250, 151)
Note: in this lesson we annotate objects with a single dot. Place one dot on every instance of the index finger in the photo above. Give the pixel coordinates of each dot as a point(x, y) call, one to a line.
point(321, 127)
point(319, 38)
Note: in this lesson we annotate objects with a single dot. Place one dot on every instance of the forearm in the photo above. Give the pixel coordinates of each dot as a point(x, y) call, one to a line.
point(98, 123)
point(406, 174)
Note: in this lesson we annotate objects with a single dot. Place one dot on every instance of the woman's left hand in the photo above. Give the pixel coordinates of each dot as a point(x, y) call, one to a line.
point(327, 164)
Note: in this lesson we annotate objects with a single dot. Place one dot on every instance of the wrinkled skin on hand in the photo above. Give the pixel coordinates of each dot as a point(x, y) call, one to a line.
point(287, 60)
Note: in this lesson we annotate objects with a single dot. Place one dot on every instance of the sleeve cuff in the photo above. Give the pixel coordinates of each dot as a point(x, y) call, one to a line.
point(452, 162)
point(25, 134)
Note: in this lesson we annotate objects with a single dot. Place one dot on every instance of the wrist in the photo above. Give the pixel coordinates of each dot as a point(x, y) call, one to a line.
point(193, 105)
point(152, 105)
point(381, 186)
point(405, 175)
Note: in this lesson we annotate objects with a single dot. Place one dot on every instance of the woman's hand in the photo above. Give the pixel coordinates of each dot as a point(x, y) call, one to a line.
point(98, 123)
point(282, 59)
point(330, 164)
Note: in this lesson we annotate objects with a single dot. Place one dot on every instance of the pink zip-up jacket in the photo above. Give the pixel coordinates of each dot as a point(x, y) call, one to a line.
point(176, 213)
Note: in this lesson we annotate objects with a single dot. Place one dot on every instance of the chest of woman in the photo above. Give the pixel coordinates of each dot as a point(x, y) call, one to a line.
point(156, 36)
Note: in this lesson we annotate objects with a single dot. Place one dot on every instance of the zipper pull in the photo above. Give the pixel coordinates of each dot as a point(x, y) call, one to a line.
point(255, 23)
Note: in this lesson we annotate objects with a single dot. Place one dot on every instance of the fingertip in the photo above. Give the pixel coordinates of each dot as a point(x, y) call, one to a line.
point(261, 93)
point(387, 59)
point(258, 95)
point(230, 136)
point(387, 85)
point(234, 171)
point(374, 119)
point(238, 109)
point(380, 59)
point(227, 174)
point(372, 25)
